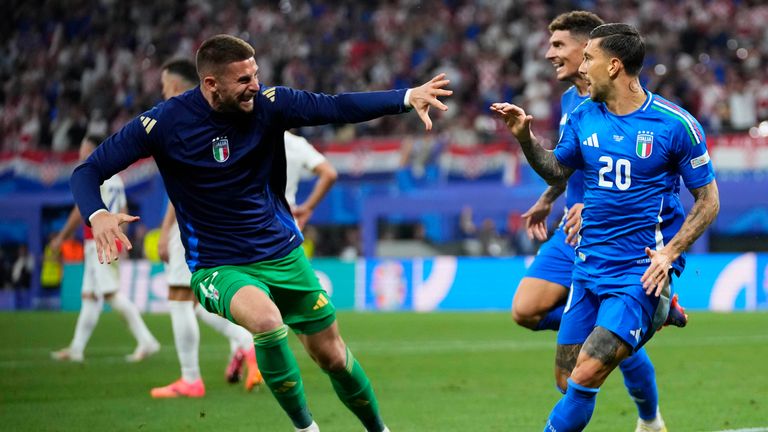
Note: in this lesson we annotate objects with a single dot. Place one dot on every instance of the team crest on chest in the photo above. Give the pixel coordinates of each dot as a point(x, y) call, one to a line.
point(220, 147)
point(644, 145)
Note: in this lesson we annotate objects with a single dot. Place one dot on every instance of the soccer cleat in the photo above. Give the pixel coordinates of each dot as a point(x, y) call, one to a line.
point(253, 378)
point(645, 427)
point(67, 355)
point(180, 388)
point(655, 425)
point(234, 370)
point(677, 316)
point(142, 352)
point(311, 428)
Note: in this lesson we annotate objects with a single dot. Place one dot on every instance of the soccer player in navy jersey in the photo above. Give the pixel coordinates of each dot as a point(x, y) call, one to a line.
point(632, 146)
point(541, 295)
point(219, 148)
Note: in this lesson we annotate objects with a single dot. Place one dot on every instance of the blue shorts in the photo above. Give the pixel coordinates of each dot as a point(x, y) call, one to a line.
point(554, 262)
point(618, 304)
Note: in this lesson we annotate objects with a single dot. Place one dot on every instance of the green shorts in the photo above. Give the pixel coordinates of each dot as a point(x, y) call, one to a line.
point(289, 281)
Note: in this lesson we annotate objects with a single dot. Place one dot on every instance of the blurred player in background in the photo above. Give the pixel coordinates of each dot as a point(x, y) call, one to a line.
point(101, 282)
point(300, 156)
point(177, 77)
point(632, 146)
point(220, 149)
point(541, 295)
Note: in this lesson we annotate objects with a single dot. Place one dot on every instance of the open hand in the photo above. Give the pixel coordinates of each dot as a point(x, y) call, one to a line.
point(517, 121)
point(536, 220)
point(106, 231)
point(657, 275)
point(425, 95)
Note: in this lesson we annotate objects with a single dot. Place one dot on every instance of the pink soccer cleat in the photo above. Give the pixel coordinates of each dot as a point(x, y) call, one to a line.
point(234, 369)
point(178, 389)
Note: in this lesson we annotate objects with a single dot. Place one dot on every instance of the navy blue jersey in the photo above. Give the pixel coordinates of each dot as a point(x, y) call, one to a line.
point(632, 167)
point(574, 192)
point(225, 172)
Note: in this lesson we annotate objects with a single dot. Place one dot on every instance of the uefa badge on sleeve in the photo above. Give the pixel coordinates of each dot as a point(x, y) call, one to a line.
point(220, 149)
point(644, 144)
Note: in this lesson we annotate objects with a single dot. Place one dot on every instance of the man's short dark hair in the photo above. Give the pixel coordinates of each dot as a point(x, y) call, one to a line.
point(219, 51)
point(183, 68)
point(579, 23)
point(624, 42)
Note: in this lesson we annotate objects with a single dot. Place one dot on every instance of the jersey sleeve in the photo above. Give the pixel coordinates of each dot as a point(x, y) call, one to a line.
point(302, 108)
point(690, 153)
point(568, 150)
point(129, 144)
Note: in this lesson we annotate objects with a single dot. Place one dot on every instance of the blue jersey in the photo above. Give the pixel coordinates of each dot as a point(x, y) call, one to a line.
point(574, 192)
point(632, 166)
point(225, 172)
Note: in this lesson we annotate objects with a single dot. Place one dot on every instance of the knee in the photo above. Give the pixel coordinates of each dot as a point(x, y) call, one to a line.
point(261, 324)
point(331, 358)
point(587, 376)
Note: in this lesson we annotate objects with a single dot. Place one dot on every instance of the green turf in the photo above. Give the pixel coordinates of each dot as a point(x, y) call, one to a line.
point(432, 372)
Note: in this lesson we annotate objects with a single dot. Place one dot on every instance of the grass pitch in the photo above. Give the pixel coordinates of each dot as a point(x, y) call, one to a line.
point(432, 372)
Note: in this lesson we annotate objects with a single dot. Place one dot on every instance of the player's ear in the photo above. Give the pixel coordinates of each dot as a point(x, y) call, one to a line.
point(209, 83)
point(614, 67)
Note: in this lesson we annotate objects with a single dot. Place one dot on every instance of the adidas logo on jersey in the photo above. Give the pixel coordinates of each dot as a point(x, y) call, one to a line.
point(591, 141)
point(270, 94)
point(148, 123)
point(322, 300)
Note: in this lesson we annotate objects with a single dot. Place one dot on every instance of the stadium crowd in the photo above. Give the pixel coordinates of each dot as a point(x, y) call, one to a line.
point(71, 67)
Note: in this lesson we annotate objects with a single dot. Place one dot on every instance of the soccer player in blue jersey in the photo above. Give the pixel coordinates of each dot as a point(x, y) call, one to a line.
point(541, 295)
point(632, 146)
point(219, 148)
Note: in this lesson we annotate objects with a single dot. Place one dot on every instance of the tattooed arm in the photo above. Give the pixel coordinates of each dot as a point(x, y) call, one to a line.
point(541, 159)
point(705, 209)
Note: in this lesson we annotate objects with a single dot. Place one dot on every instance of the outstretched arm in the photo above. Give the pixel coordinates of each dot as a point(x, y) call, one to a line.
point(302, 108)
point(705, 209)
point(541, 159)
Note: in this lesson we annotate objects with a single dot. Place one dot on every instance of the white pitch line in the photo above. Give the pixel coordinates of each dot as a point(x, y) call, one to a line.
point(757, 429)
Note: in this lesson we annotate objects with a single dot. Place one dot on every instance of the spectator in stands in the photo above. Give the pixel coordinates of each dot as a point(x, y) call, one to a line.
point(53, 76)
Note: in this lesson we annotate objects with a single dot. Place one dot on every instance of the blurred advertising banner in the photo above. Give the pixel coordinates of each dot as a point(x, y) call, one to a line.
point(716, 282)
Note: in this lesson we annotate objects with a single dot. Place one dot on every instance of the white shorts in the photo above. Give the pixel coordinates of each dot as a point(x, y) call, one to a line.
point(176, 270)
point(99, 279)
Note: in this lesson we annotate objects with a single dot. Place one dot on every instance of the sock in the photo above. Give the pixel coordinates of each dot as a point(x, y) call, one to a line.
point(281, 373)
point(574, 410)
point(551, 320)
point(355, 391)
point(131, 314)
point(186, 336)
point(640, 380)
point(239, 338)
point(86, 322)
